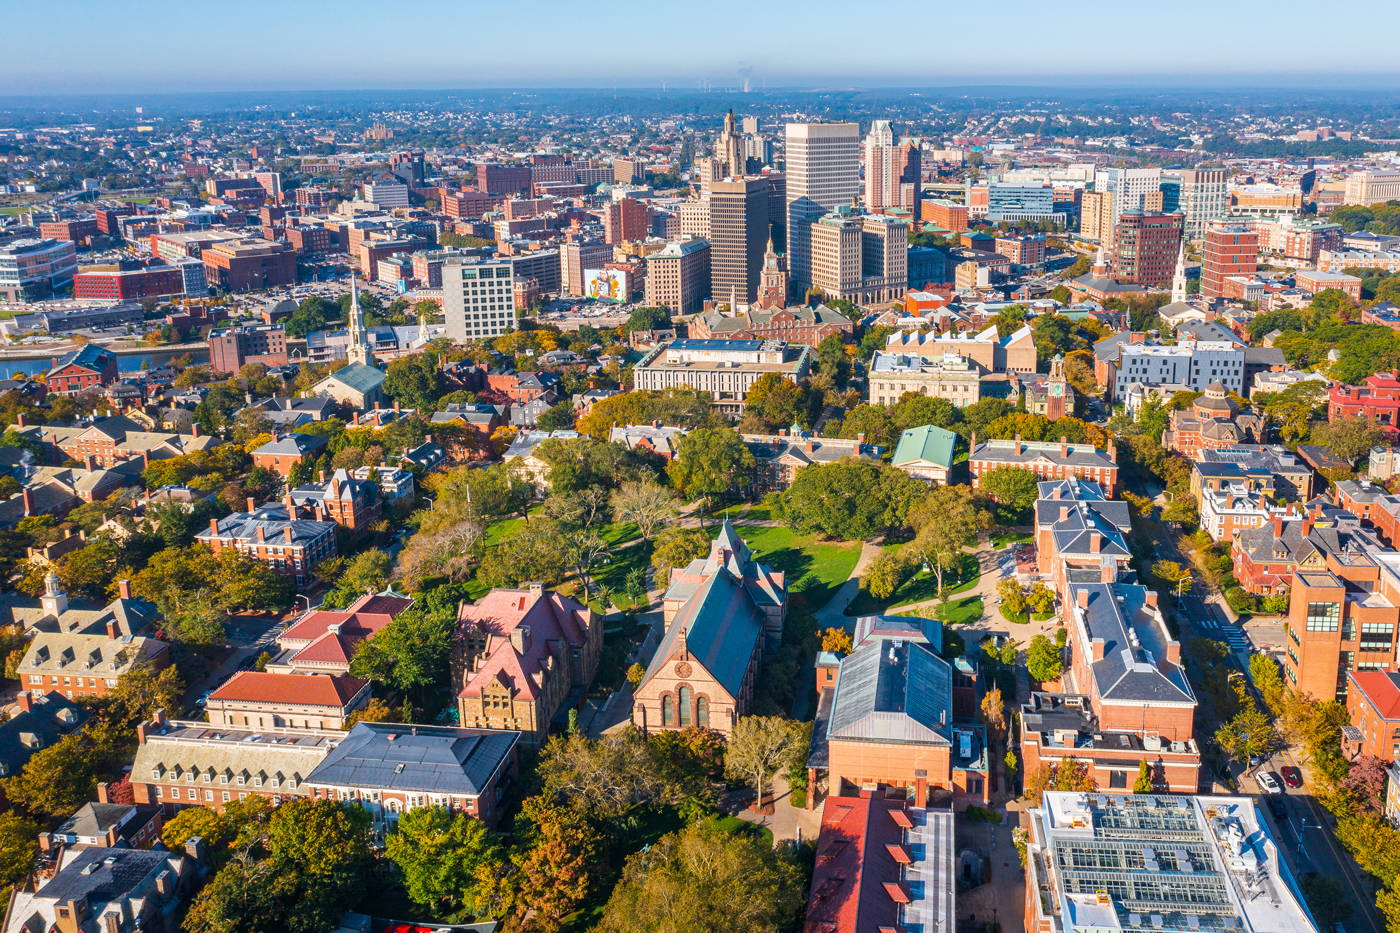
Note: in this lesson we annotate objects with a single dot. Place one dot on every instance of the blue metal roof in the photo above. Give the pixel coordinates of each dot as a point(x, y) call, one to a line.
point(431, 759)
point(688, 343)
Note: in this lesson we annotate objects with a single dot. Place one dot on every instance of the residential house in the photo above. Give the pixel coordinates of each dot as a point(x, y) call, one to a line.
point(654, 438)
point(522, 656)
point(283, 454)
point(103, 824)
point(112, 890)
point(523, 387)
point(112, 441)
point(351, 503)
point(271, 701)
point(523, 450)
point(1232, 508)
point(42, 720)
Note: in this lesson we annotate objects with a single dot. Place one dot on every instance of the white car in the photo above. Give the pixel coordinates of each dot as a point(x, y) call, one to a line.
point(1267, 783)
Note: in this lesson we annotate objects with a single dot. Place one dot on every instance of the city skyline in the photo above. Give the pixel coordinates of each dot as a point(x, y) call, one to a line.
point(1134, 49)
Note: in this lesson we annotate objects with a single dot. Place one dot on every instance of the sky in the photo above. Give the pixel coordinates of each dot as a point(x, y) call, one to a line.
point(155, 46)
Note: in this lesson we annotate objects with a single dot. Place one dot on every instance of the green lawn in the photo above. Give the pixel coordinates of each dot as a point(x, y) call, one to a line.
point(960, 612)
point(922, 586)
point(1001, 541)
point(817, 568)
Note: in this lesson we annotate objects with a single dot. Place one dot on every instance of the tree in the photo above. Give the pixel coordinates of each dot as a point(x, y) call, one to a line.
point(710, 462)
point(886, 575)
point(1143, 784)
point(443, 858)
point(1172, 574)
point(1013, 598)
point(994, 714)
point(411, 653)
point(56, 781)
point(1043, 659)
point(777, 400)
point(849, 499)
point(647, 318)
point(704, 878)
point(758, 748)
point(677, 547)
point(1042, 600)
point(558, 417)
point(635, 674)
point(196, 821)
point(1248, 734)
point(837, 640)
point(1013, 488)
point(946, 520)
point(1264, 671)
point(1350, 438)
point(18, 847)
point(559, 861)
point(646, 504)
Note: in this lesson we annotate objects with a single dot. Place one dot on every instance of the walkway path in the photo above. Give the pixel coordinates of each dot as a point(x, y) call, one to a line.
point(785, 822)
point(833, 615)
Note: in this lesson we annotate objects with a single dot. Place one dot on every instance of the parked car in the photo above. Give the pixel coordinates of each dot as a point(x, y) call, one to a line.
point(1267, 782)
point(1277, 808)
point(1292, 776)
point(204, 698)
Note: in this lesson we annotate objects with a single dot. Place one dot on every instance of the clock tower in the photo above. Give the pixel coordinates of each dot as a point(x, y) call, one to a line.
point(1056, 386)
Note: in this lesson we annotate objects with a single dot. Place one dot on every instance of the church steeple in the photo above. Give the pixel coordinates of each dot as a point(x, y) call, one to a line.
point(358, 351)
point(1179, 280)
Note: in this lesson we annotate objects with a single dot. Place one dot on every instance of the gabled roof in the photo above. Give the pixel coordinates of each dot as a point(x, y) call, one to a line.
point(90, 357)
point(893, 690)
point(51, 718)
point(429, 759)
point(1134, 667)
point(332, 692)
point(1381, 689)
point(550, 618)
point(720, 626)
point(293, 445)
point(357, 377)
point(929, 443)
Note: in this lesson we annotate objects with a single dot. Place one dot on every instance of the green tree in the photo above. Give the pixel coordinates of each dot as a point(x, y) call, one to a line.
point(444, 858)
point(1013, 488)
point(1143, 784)
point(779, 401)
point(1248, 734)
point(1043, 659)
point(703, 878)
point(710, 462)
point(1264, 671)
point(558, 417)
point(19, 846)
point(759, 747)
point(677, 547)
point(412, 652)
point(56, 781)
point(945, 521)
point(646, 504)
point(415, 381)
point(850, 499)
point(368, 571)
point(1350, 438)
point(647, 318)
point(197, 821)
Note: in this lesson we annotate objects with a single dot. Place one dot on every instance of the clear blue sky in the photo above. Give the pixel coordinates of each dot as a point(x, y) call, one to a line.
point(59, 46)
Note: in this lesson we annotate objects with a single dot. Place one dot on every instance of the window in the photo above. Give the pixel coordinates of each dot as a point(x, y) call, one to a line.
point(1118, 779)
point(702, 712)
point(226, 798)
point(668, 712)
point(685, 706)
point(1324, 617)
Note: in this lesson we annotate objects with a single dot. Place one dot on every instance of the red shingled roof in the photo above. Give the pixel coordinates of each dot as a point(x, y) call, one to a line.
point(295, 689)
point(856, 883)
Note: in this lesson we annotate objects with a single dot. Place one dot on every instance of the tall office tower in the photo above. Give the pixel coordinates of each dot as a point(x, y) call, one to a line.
point(823, 172)
point(884, 248)
point(1200, 195)
point(750, 126)
point(758, 152)
point(678, 277)
point(729, 150)
point(860, 258)
point(1096, 215)
point(1230, 249)
point(478, 299)
point(777, 211)
point(1130, 187)
point(1145, 246)
point(578, 256)
point(836, 255)
point(629, 172)
point(738, 235)
point(706, 171)
point(626, 219)
point(695, 217)
point(891, 170)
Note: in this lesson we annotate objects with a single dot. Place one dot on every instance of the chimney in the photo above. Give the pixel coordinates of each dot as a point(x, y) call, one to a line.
point(1108, 571)
point(320, 476)
point(1097, 647)
point(287, 533)
point(1278, 526)
point(1229, 499)
point(112, 631)
point(1018, 445)
point(194, 429)
point(25, 700)
point(1081, 599)
point(809, 445)
point(165, 885)
point(972, 444)
point(21, 420)
point(1307, 526)
point(1064, 509)
point(1055, 494)
point(53, 363)
point(214, 526)
point(28, 502)
point(252, 505)
point(860, 440)
point(194, 849)
point(520, 638)
point(378, 406)
point(1152, 598)
point(290, 506)
point(320, 512)
point(355, 420)
point(1095, 543)
point(1113, 451)
point(1064, 446)
point(1174, 652)
point(427, 438)
point(397, 406)
point(102, 792)
point(145, 458)
point(89, 462)
point(140, 733)
point(262, 536)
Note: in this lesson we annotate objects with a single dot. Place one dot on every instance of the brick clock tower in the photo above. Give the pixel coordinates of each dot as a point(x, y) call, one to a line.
point(1056, 387)
point(772, 282)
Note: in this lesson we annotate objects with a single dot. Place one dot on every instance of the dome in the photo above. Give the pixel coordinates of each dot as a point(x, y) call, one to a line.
point(1216, 400)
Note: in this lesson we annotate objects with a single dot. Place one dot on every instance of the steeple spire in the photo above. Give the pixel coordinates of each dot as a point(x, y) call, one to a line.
point(358, 351)
point(1179, 280)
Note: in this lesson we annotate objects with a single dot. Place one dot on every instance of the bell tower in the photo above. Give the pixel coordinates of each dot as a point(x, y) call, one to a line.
point(772, 281)
point(1057, 387)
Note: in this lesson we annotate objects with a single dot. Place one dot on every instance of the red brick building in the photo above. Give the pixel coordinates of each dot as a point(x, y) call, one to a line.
point(351, 503)
point(289, 541)
point(1047, 460)
point(128, 284)
point(1229, 249)
point(496, 178)
point(626, 219)
point(1373, 701)
point(82, 369)
point(75, 230)
point(281, 455)
point(231, 347)
point(951, 217)
point(1145, 246)
point(1378, 401)
point(310, 241)
point(241, 266)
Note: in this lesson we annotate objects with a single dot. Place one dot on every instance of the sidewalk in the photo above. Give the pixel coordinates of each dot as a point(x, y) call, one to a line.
point(786, 821)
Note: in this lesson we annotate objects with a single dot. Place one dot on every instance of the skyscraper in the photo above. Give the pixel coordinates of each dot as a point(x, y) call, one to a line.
point(1230, 249)
point(1201, 196)
point(1145, 246)
point(738, 234)
point(823, 172)
point(1130, 187)
point(729, 150)
point(891, 170)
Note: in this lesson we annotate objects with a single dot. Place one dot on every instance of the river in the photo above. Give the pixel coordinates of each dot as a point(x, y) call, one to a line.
point(36, 361)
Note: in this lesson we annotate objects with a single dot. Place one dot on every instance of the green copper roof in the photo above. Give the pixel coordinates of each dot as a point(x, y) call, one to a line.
point(926, 443)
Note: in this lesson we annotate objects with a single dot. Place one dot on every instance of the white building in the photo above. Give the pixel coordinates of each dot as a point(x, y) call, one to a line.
point(387, 195)
point(1130, 187)
point(1194, 364)
point(823, 172)
point(478, 299)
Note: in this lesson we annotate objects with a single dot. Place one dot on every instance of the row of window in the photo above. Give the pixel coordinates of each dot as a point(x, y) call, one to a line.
point(38, 679)
point(681, 704)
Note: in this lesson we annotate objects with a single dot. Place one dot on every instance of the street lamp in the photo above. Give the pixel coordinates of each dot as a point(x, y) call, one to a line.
point(1302, 825)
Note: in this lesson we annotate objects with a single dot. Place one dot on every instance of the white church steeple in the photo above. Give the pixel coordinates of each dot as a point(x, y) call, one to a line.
point(358, 350)
point(1179, 280)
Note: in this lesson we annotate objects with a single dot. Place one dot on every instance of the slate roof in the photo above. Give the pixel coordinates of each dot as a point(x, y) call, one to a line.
point(1128, 671)
point(721, 625)
point(893, 690)
point(766, 586)
point(52, 717)
point(427, 759)
point(272, 519)
point(100, 876)
point(550, 618)
point(869, 629)
point(357, 377)
point(90, 357)
point(930, 443)
point(293, 445)
point(999, 451)
point(1208, 330)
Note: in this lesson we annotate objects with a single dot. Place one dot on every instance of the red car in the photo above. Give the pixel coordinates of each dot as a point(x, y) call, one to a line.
point(1292, 776)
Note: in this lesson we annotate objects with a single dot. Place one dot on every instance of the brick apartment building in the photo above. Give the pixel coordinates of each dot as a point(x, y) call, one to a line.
point(1145, 247)
point(81, 369)
point(1378, 401)
point(287, 540)
point(310, 241)
point(1373, 701)
point(232, 347)
point(497, 178)
point(76, 230)
point(625, 220)
point(1047, 460)
point(351, 503)
point(1229, 250)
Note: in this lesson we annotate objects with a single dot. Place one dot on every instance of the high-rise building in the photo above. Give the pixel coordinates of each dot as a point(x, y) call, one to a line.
point(629, 172)
point(1145, 247)
point(1229, 249)
point(1367, 188)
point(891, 170)
point(750, 126)
point(626, 219)
point(477, 298)
point(1021, 202)
point(494, 178)
point(575, 258)
point(705, 172)
point(1199, 194)
point(678, 277)
point(695, 217)
point(823, 173)
point(860, 258)
point(729, 150)
point(1096, 216)
point(1130, 188)
point(738, 235)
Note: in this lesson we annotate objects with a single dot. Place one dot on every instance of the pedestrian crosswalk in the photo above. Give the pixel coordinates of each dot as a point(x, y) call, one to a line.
point(1226, 632)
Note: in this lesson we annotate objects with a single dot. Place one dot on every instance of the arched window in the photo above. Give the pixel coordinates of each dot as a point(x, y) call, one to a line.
point(702, 712)
point(668, 712)
point(685, 706)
